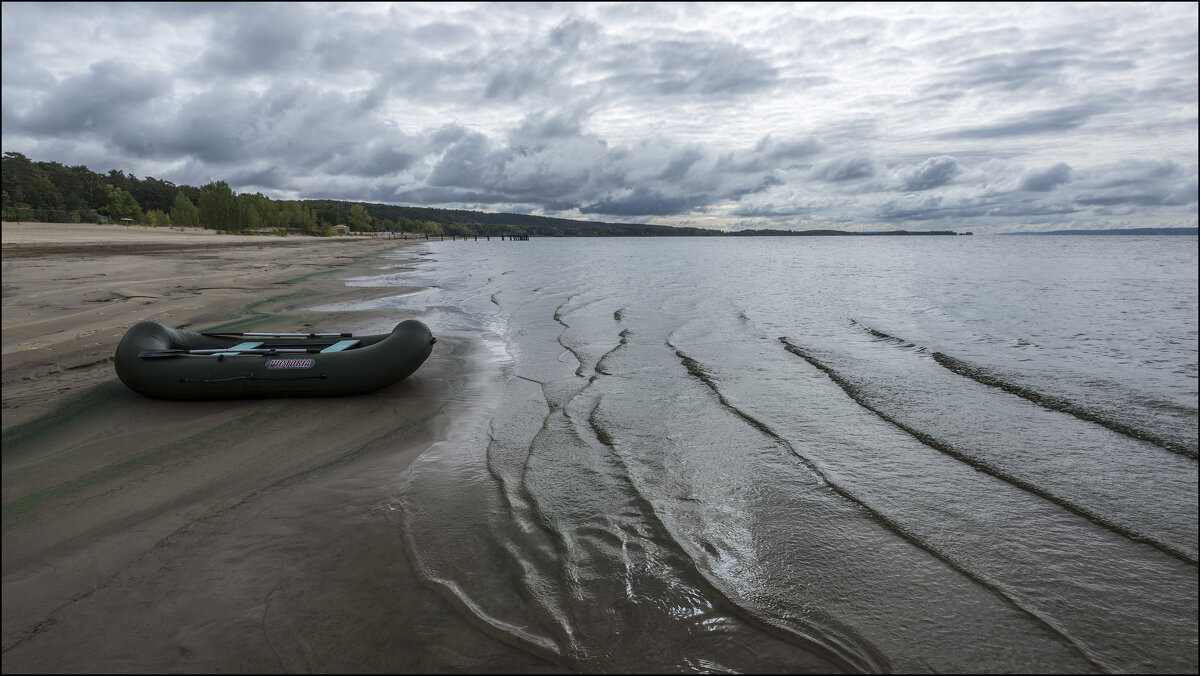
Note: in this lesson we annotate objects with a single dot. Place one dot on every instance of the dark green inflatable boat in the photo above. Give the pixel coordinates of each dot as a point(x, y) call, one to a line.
point(166, 363)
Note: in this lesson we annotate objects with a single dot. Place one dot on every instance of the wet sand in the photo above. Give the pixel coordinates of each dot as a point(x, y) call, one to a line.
point(145, 536)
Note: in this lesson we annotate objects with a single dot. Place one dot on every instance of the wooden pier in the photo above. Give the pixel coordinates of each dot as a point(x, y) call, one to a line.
point(453, 238)
point(486, 238)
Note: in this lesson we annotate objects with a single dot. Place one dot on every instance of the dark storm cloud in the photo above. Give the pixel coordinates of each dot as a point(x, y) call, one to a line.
point(296, 126)
point(91, 102)
point(641, 201)
point(546, 155)
point(472, 161)
point(383, 159)
point(263, 179)
point(258, 42)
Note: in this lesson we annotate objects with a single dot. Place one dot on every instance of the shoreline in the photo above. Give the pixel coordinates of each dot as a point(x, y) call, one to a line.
point(150, 536)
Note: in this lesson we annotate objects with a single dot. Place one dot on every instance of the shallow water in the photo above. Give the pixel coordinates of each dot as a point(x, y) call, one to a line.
point(786, 454)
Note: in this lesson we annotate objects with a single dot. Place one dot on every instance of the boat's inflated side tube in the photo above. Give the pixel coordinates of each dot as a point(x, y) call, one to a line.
point(162, 362)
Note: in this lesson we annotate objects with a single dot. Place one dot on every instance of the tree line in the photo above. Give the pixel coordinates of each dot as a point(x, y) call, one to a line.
point(53, 192)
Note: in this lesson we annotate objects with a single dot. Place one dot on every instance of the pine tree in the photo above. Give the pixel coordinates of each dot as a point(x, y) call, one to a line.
point(184, 213)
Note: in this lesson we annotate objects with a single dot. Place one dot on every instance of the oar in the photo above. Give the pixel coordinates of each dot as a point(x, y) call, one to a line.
point(281, 335)
point(210, 352)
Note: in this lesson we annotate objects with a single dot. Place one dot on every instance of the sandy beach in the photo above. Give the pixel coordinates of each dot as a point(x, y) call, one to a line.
point(145, 536)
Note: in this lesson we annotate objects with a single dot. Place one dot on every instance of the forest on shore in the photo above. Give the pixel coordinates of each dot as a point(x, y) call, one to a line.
point(52, 192)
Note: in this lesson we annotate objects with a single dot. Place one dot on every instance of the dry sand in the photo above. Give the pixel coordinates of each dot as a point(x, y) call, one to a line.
point(145, 536)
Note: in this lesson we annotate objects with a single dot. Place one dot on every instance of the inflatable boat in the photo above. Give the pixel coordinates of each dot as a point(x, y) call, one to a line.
point(166, 363)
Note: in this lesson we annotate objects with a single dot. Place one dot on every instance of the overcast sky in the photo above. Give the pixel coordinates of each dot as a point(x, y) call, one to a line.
point(984, 116)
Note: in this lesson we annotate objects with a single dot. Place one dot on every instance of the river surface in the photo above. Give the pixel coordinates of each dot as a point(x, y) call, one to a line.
point(855, 454)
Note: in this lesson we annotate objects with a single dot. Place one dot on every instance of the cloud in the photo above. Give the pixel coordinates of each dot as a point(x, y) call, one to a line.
point(1002, 191)
point(265, 178)
point(960, 207)
point(694, 68)
point(90, 102)
point(548, 155)
point(1138, 183)
point(846, 168)
point(1045, 180)
point(772, 114)
point(932, 173)
point(1010, 71)
point(641, 201)
point(770, 154)
point(1049, 121)
point(259, 42)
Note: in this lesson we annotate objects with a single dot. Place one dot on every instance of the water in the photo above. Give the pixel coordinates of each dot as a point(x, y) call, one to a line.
point(819, 454)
